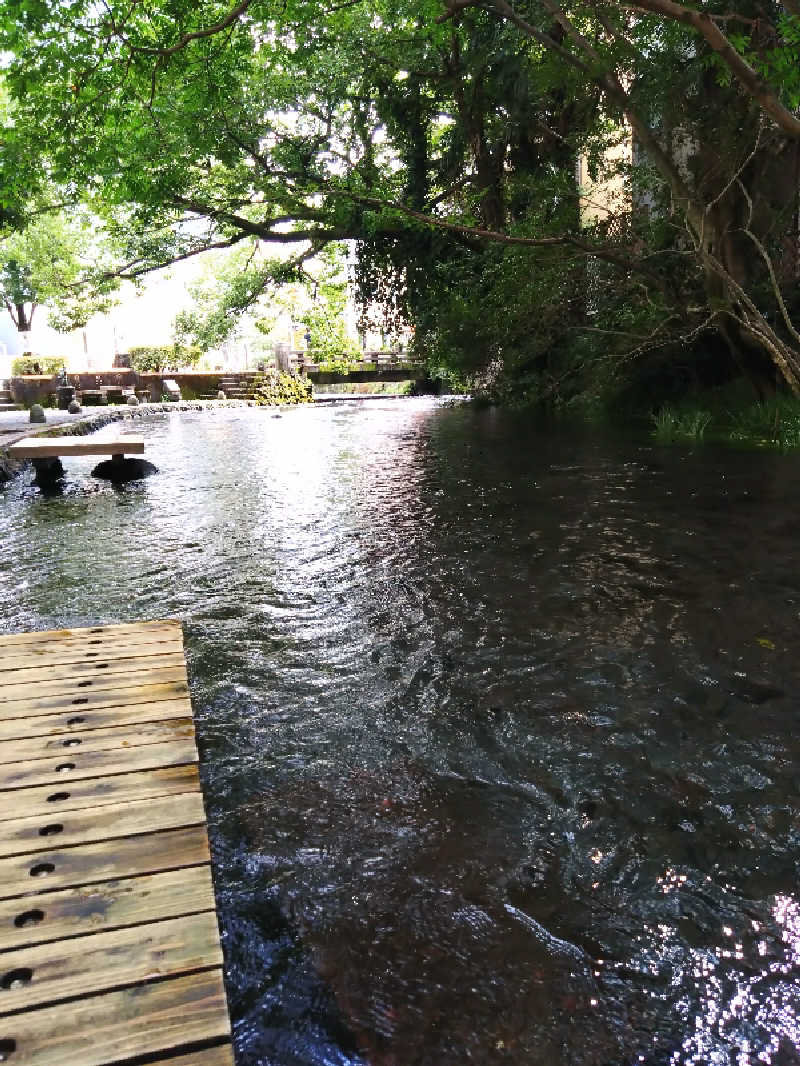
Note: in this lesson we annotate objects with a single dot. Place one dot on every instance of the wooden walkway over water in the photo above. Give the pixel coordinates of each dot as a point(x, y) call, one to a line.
point(109, 947)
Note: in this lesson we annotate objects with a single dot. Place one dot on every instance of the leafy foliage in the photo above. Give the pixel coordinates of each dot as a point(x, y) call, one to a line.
point(57, 262)
point(245, 281)
point(149, 359)
point(35, 364)
point(270, 390)
point(328, 339)
point(447, 150)
point(671, 426)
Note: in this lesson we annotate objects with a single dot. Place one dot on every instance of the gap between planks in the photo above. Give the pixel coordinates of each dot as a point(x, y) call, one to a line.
point(76, 912)
point(87, 697)
point(71, 828)
point(55, 656)
point(110, 738)
point(97, 792)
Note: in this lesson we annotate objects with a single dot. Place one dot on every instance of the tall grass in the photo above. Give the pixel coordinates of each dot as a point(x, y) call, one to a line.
point(773, 423)
point(671, 426)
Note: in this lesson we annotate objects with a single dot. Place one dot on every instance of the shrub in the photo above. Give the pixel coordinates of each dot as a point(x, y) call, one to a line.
point(272, 389)
point(37, 364)
point(154, 358)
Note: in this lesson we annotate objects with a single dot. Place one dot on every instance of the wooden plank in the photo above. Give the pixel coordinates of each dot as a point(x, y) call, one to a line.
point(102, 682)
point(77, 912)
point(99, 791)
point(108, 960)
point(82, 741)
point(109, 946)
point(53, 648)
point(82, 718)
point(64, 769)
point(27, 660)
point(48, 447)
point(138, 668)
point(37, 635)
point(119, 1026)
point(21, 836)
point(85, 698)
point(91, 863)
point(62, 651)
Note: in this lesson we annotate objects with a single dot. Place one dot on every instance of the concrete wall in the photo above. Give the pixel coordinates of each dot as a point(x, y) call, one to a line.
point(41, 388)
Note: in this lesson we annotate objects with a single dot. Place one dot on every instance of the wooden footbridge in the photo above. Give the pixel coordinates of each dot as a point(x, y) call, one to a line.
point(109, 946)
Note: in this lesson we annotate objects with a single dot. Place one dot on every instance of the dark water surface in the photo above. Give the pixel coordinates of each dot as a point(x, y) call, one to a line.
point(499, 729)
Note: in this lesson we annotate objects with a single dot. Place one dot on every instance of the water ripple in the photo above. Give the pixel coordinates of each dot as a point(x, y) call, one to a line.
point(497, 726)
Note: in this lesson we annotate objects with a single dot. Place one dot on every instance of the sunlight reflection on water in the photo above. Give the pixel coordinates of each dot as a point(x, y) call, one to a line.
point(497, 726)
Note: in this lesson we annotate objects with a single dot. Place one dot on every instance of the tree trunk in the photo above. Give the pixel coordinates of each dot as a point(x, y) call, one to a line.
point(23, 317)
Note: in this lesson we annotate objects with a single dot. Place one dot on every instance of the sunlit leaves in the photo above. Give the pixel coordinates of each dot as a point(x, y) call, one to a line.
point(58, 262)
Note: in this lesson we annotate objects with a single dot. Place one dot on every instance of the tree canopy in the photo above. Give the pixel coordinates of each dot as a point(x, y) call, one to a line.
point(57, 261)
point(444, 141)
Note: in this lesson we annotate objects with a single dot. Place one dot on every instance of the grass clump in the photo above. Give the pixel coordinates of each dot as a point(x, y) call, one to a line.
point(671, 426)
point(773, 423)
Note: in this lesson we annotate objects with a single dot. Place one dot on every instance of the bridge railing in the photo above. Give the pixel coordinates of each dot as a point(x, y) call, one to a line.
point(304, 360)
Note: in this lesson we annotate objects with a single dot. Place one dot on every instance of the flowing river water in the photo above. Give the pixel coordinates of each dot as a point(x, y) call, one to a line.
point(498, 726)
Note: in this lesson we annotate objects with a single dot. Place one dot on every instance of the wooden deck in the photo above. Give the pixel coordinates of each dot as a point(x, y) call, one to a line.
point(109, 947)
point(55, 447)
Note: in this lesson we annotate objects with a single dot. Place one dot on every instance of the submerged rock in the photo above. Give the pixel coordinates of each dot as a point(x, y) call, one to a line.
point(755, 690)
point(124, 469)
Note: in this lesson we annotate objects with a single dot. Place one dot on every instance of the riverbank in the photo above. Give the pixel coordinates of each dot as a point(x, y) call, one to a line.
point(771, 424)
point(730, 415)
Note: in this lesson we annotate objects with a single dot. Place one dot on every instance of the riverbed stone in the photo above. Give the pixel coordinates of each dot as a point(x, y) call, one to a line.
point(9, 468)
point(37, 413)
point(49, 471)
point(124, 468)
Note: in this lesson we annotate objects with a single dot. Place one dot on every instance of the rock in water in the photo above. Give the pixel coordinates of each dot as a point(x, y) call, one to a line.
point(37, 413)
point(120, 469)
point(48, 472)
point(755, 689)
point(74, 407)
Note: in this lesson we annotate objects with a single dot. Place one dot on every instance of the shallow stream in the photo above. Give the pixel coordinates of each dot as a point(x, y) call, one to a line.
point(499, 726)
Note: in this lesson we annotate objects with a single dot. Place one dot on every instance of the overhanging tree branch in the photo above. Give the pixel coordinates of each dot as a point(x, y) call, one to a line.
point(218, 27)
point(747, 77)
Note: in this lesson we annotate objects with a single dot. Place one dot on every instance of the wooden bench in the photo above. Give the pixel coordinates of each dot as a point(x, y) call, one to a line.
point(53, 447)
point(46, 452)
